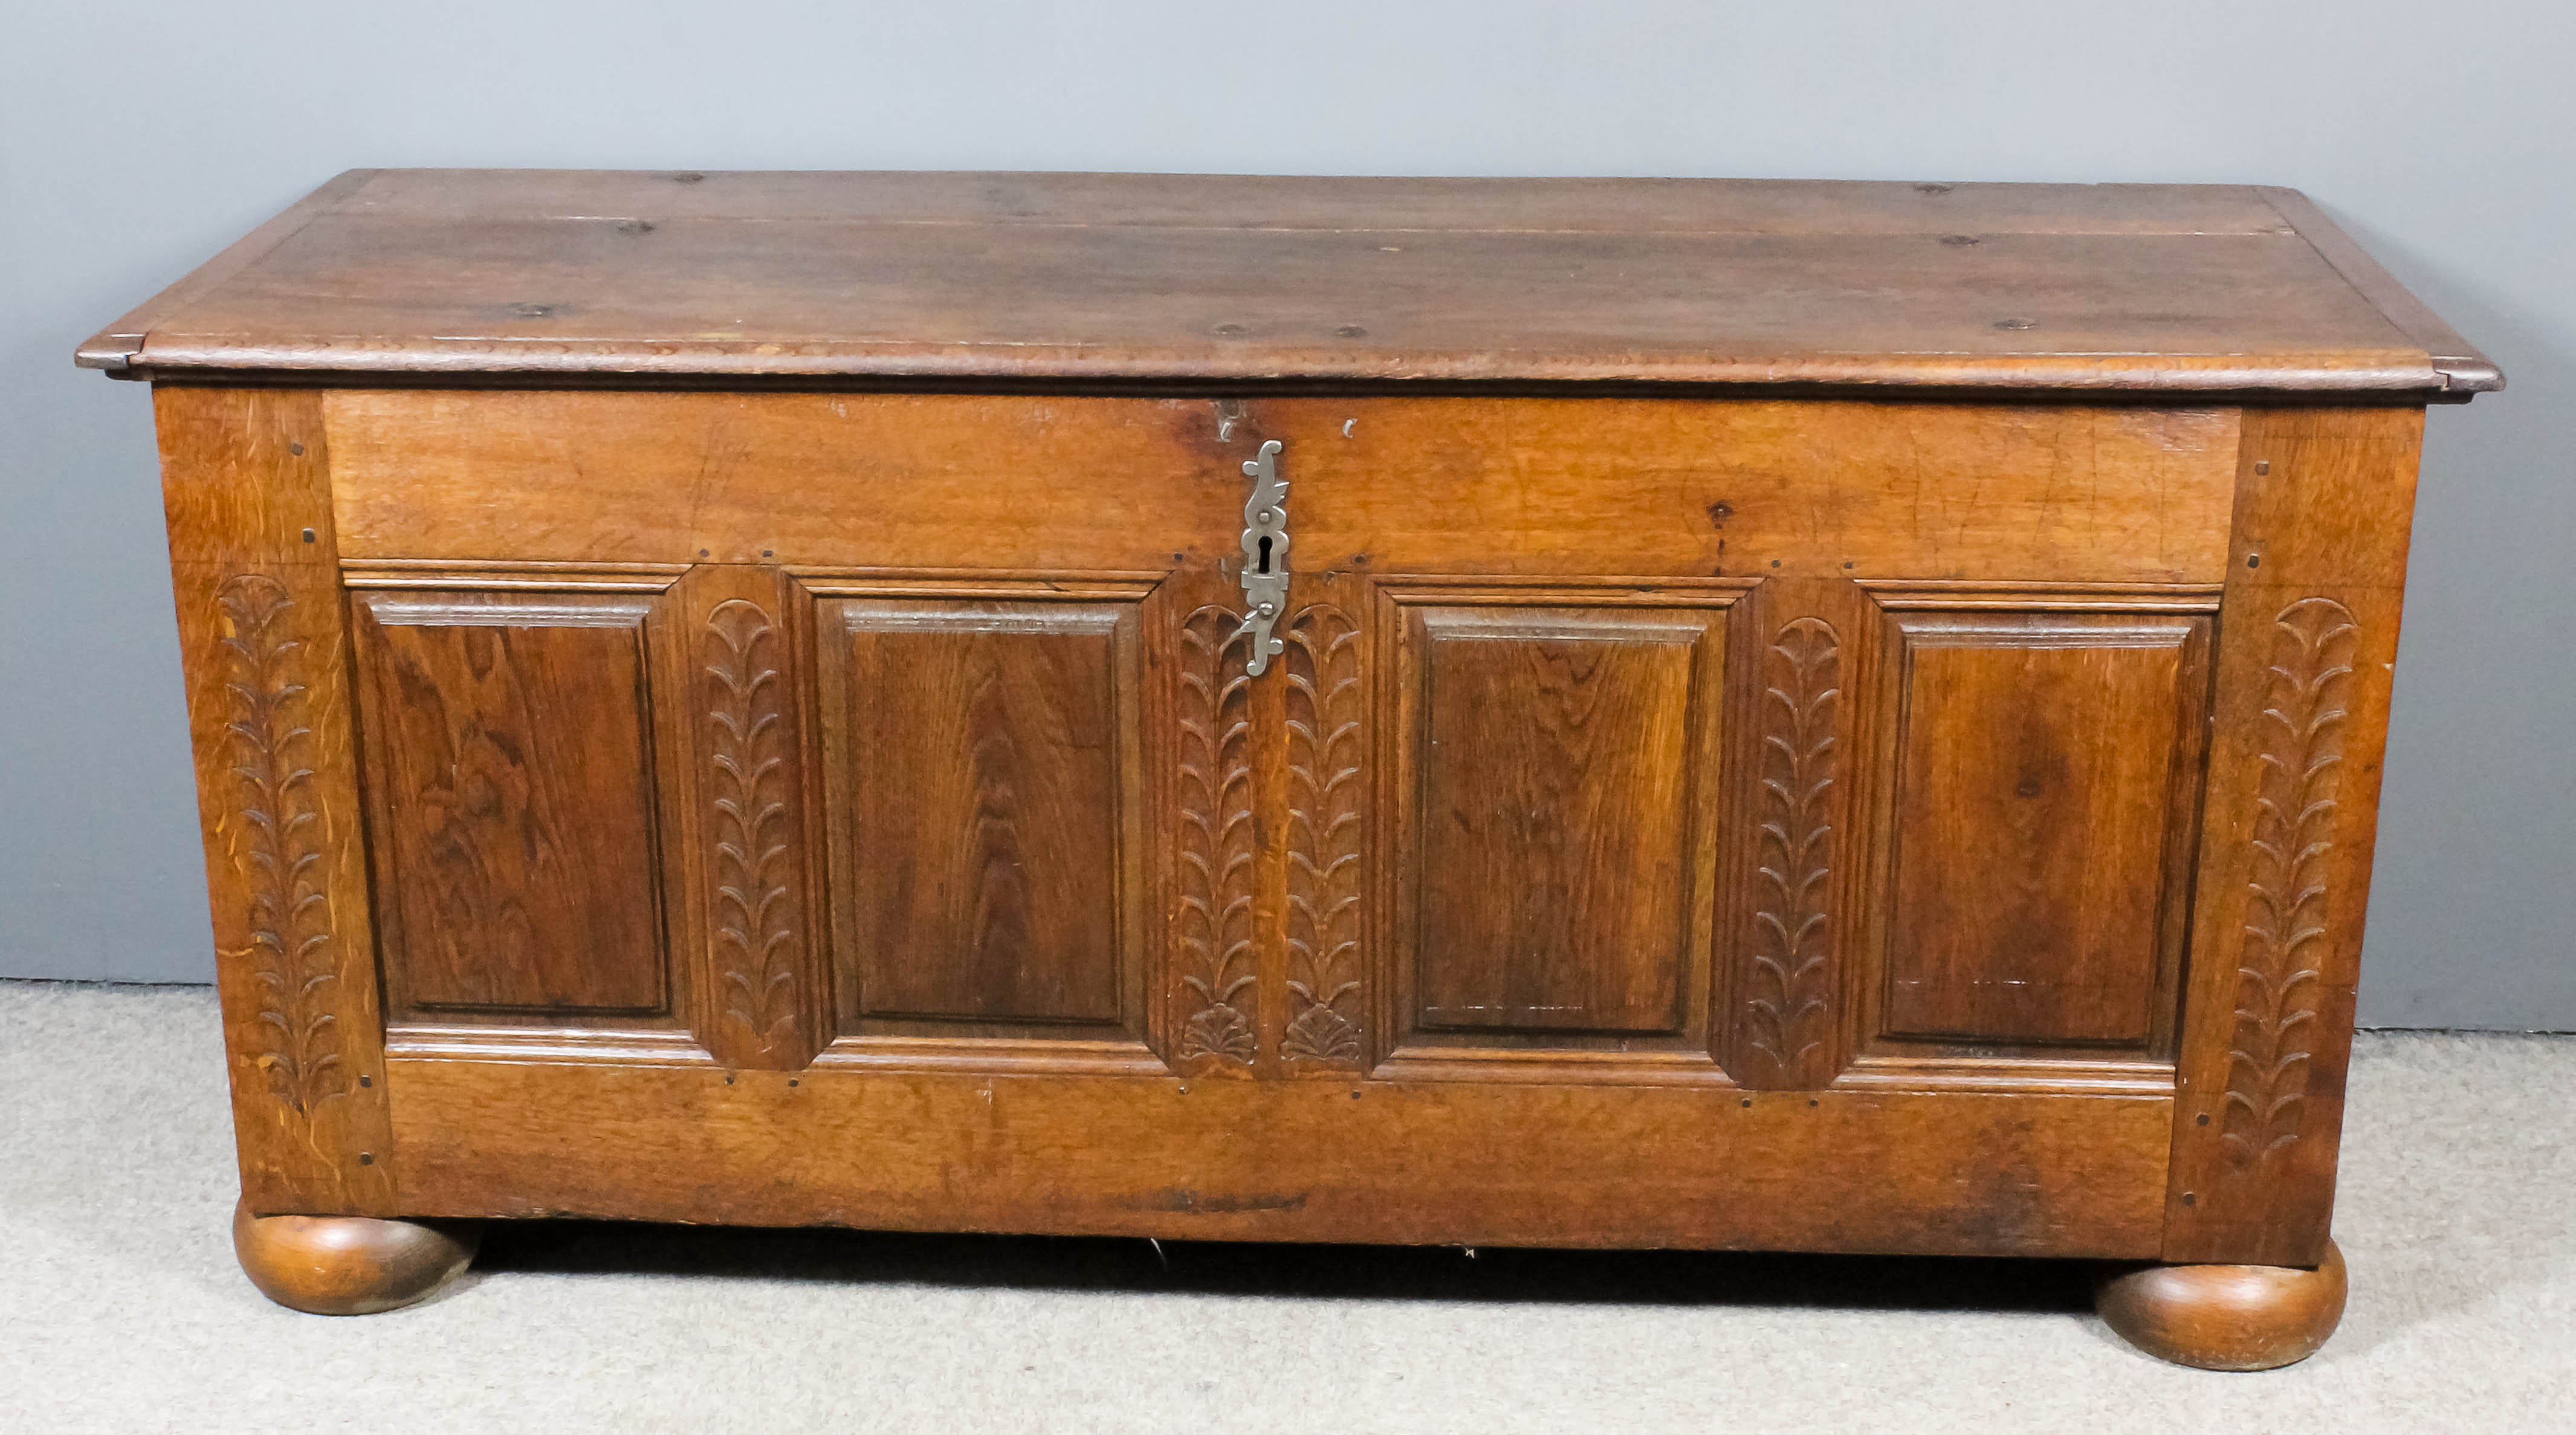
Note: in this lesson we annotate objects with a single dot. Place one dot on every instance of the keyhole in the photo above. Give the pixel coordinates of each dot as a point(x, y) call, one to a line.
point(1265, 555)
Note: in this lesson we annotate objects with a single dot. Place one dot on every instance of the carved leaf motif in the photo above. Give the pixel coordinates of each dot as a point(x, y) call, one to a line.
point(1217, 1029)
point(279, 849)
point(1785, 1010)
point(752, 912)
point(1214, 922)
point(2280, 964)
point(1324, 832)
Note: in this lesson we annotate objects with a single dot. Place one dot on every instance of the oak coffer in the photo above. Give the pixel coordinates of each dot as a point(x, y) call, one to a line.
point(1833, 717)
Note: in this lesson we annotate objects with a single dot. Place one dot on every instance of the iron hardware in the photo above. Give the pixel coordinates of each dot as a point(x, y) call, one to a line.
point(1265, 556)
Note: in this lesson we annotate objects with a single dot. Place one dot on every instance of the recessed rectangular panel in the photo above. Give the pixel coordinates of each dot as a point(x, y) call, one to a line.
point(1553, 828)
point(2041, 763)
point(511, 752)
point(983, 764)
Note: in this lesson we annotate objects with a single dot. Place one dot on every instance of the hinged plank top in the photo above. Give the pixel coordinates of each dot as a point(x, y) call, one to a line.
point(1095, 278)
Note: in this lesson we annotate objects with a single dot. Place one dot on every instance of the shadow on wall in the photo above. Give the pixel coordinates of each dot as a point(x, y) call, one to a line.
point(2472, 907)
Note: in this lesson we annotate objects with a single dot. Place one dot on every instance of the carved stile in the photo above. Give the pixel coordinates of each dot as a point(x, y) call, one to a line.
point(1785, 1013)
point(756, 950)
point(1216, 870)
point(1325, 829)
point(2280, 960)
point(279, 848)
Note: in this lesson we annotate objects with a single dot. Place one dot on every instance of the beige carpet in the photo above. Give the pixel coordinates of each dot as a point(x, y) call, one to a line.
point(121, 1309)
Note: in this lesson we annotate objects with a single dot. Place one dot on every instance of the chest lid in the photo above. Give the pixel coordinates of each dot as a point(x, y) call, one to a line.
point(969, 279)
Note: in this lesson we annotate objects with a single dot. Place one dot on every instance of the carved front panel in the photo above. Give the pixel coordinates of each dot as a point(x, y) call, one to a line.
point(2289, 891)
point(745, 677)
point(753, 924)
point(1327, 878)
point(984, 766)
point(1554, 793)
point(1785, 1006)
point(510, 764)
point(1216, 982)
point(279, 829)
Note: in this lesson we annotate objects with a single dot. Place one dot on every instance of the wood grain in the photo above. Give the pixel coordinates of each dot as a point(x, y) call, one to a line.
point(1585, 487)
point(1072, 278)
point(1759, 488)
point(2465, 372)
point(349, 1265)
point(908, 482)
point(114, 347)
point(1430, 1162)
point(2308, 639)
point(1555, 820)
point(1553, 784)
point(2228, 1317)
point(511, 757)
point(1568, 205)
point(245, 479)
point(981, 749)
point(2045, 780)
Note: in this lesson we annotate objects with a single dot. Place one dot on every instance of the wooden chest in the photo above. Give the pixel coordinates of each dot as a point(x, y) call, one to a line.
point(1837, 717)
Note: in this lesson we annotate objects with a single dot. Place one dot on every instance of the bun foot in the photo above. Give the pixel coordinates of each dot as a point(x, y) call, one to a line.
point(2227, 1317)
point(348, 1265)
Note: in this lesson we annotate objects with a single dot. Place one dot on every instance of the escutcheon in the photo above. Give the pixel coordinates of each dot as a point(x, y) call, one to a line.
point(1265, 556)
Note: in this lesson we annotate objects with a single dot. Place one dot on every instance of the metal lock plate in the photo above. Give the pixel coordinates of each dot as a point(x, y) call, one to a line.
point(1265, 556)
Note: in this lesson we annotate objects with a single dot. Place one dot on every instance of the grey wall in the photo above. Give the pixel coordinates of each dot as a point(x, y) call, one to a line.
point(137, 138)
